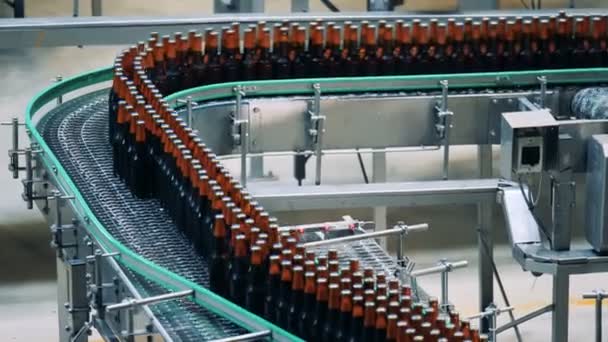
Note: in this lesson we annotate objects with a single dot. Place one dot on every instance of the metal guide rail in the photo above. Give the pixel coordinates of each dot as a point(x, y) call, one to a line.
point(136, 260)
point(39, 32)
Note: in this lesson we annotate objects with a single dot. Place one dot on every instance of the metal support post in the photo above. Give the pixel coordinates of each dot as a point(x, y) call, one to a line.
point(29, 179)
point(318, 130)
point(444, 123)
point(379, 176)
point(75, 8)
point(399, 229)
point(241, 132)
point(96, 8)
point(561, 292)
point(485, 240)
point(543, 91)
point(189, 103)
point(13, 153)
point(563, 202)
point(491, 313)
point(599, 296)
point(444, 267)
point(59, 78)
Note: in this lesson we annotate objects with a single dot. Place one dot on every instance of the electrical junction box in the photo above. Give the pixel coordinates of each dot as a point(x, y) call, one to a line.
point(528, 143)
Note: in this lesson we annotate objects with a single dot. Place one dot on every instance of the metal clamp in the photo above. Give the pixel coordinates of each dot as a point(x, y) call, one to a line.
point(14, 152)
point(317, 130)
point(240, 132)
point(444, 267)
point(189, 103)
point(97, 288)
point(599, 296)
point(491, 312)
point(443, 125)
point(29, 181)
point(543, 91)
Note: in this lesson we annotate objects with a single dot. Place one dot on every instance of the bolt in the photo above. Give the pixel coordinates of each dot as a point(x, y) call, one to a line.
point(67, 328)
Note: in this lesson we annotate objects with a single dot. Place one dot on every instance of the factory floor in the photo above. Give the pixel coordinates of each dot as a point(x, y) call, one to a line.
point(27, 269)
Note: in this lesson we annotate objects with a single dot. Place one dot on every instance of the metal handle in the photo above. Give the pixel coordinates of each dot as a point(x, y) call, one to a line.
point(149, 300)
point(397, 230)
point(254, 336)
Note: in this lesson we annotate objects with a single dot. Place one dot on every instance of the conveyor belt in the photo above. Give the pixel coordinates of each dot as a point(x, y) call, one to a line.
point(76, 131)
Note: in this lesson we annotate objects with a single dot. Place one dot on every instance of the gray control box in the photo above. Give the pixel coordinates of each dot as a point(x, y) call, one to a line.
point(528, 143)
point(596, 228)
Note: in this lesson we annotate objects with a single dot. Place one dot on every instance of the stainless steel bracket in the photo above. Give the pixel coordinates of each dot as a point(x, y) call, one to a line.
point(599, 296)
point(14, 152)
point(317, 130)
point(444, 267)
point(97, 288)
point(491, 313)
point(189, 103)
point(240, 132)
point(28, 183)
point(443, 125)
point(542, 99)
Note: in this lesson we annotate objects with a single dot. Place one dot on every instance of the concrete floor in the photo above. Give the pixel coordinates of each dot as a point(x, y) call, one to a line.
point(27, 286)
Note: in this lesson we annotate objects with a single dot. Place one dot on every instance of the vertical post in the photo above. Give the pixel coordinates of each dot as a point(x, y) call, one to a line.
point(492, 322)
point(96, 8)
point(444, 287)
point(379, 176)
point(189, 110)
point(561, 292)
point(15, 154)
point(29, 178)
point(320, 131)
point(446, 127)
point(243, 124)
point(485, 239)
point(542, 101)
point(598, 317)
point(130, 324)
point(99, 284)
point(76, 8)
point(59, 78)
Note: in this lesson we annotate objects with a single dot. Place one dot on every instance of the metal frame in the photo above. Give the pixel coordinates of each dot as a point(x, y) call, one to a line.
point(532, 255)
point(38, 32)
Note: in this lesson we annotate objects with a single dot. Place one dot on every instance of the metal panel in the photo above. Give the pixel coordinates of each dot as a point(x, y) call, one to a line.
point(521, 225)
point(36, 32)
point(596, 230)
point(281, 124)
point(281, 197)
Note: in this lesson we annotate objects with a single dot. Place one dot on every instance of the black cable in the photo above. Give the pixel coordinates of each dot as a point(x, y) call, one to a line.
point(524, 4)
point(532, 4)
point(501, 287)
point(531, 207)
point(10, 3)
point(539, 4)
point(362, 167)
point(330, 5)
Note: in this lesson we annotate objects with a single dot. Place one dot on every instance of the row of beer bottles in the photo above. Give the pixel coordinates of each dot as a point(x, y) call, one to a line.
point(321, 301)
point(229, 260)
point(178, 63)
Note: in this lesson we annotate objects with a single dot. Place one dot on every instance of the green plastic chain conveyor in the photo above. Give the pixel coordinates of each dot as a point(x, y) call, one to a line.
point(202, 296)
